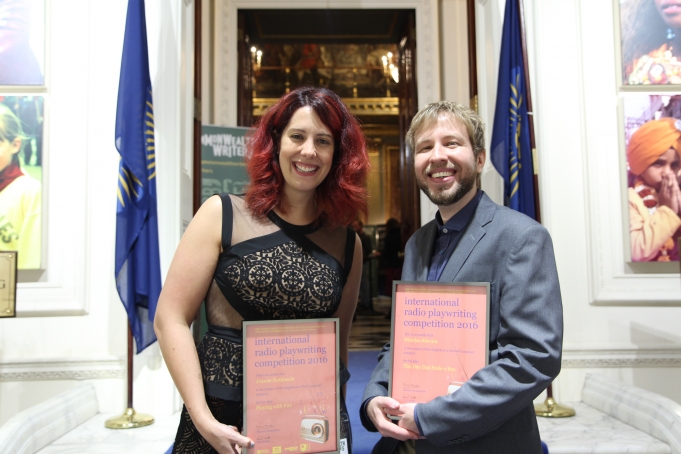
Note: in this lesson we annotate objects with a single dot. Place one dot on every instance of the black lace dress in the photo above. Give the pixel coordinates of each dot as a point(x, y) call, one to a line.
point(273, 272)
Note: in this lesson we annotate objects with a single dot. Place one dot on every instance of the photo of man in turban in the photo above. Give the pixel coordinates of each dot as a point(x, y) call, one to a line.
point(654, 160)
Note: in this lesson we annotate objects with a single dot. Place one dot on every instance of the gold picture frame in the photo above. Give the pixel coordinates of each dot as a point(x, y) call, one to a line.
point(8, 284)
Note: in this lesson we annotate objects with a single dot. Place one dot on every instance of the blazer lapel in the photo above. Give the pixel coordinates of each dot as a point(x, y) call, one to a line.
point(426, 245)
point(473, 234)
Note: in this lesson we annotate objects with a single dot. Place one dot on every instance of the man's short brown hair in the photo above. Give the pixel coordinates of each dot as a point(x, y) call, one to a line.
point(467, 117)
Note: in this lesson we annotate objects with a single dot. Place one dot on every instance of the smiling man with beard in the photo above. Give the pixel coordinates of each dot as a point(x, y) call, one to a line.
point(472, 239)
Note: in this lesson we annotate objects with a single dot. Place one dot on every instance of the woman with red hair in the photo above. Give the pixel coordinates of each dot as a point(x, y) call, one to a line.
point(282, 251)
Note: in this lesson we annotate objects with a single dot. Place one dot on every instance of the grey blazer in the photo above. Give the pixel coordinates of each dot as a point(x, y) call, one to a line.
point(493, 411)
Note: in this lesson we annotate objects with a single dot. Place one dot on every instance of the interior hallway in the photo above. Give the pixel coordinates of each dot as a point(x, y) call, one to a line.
point(371, 332)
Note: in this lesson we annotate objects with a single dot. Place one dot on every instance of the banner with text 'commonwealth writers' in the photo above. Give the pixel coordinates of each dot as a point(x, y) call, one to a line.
point(223, 169)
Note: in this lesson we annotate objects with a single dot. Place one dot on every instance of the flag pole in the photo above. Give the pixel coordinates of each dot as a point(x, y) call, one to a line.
point(137, 262)
point(130, 419)
point(550, 408)
point(530, 111)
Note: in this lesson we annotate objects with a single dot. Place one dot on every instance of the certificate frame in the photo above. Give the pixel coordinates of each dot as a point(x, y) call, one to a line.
point(432, 305)
point(307, 340)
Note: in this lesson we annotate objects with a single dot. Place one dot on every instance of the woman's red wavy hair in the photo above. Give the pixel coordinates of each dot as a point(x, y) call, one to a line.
point(342, 194)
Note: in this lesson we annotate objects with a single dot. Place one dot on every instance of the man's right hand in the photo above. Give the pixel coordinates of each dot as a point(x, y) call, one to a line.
point(378, 410)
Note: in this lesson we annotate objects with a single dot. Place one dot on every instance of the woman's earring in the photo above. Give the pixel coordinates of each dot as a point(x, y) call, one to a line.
point(670, 34)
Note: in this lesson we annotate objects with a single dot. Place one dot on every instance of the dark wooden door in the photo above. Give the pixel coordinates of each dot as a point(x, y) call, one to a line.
point(196, 175)
point(245, 70)
point(407, 93)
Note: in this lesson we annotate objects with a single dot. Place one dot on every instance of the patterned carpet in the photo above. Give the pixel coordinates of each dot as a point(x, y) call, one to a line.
point(369, 332)
point(362, 363)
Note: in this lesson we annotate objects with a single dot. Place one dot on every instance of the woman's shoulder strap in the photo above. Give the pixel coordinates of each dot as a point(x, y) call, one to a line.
point(227, 217)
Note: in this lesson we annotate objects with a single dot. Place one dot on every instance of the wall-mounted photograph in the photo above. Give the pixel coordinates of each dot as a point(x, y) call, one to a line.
point(21, 153)
point(652, 133)
point(650, 41)
point(22, 42)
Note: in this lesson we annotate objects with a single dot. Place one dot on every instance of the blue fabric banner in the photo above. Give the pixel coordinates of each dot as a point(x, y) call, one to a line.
point(511, 152)
point(137, 267)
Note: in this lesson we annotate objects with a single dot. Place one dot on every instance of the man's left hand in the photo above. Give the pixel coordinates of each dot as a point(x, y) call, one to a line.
point(407, 420)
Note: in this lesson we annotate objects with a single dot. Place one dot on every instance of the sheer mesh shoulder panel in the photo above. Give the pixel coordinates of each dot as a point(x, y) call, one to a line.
point(332, 242)
point(218, 311)
point(244, 227)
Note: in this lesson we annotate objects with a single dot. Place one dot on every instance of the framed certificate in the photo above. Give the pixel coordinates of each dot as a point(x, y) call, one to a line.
point(439, 338)
point(291, 386)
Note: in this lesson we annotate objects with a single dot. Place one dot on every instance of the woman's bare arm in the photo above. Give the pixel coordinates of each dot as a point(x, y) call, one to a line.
point(188, 280)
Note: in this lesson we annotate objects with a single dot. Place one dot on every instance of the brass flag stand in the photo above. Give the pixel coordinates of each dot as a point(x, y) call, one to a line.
point(130, 419)
point(552, 409)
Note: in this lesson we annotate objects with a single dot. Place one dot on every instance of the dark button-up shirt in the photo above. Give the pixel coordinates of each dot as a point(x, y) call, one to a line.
point(448, 236)
point(446, 239)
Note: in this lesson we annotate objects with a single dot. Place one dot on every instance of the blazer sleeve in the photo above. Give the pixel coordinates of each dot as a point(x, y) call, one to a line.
point(525, 353)
point(377, 386)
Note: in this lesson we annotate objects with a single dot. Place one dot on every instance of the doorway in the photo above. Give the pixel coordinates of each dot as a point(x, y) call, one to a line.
point(366, 57)
point(360, 55)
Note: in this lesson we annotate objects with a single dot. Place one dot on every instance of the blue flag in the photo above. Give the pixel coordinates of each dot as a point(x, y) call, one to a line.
point(511, 152)
point(137, 268)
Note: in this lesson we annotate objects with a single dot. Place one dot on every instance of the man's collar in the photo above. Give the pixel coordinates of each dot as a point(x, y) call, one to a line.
point(461, 218)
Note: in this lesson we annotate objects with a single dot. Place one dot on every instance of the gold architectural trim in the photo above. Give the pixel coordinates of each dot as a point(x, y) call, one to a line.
point(380, 130)
point(358, 106)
